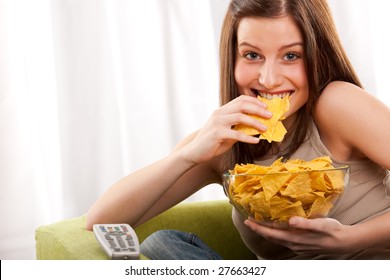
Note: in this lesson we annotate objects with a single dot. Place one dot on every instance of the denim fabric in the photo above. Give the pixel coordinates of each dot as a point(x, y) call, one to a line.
point(176, 245)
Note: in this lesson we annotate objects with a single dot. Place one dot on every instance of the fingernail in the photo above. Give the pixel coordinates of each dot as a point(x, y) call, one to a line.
point(292, 221)
point(263, 126)
point(268, 113)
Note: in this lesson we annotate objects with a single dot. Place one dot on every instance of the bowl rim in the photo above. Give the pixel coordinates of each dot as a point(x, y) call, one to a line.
point(342, 168)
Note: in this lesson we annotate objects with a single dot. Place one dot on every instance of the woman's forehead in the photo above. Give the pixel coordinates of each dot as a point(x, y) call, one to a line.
point(279, 31)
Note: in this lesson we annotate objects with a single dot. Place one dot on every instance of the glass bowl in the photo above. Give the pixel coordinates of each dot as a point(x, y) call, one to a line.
point(277, 196)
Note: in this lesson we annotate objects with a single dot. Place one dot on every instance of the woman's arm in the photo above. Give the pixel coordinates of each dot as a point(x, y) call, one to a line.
point(194, 163)
point(327, 236)
point(133, 196)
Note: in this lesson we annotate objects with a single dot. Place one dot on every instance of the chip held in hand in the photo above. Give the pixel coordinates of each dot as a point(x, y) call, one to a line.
point(276, 130)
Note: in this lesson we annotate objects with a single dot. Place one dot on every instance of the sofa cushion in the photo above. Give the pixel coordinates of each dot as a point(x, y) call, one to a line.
point(211, 221)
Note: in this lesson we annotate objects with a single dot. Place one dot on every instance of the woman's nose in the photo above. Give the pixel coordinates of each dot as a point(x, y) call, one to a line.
point(269, 75)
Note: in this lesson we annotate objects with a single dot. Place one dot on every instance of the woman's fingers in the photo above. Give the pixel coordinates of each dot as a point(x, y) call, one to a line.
point(246, 105)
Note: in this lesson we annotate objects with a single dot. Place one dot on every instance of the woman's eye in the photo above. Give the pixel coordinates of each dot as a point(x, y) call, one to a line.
point(291, 57)
point(252, 56)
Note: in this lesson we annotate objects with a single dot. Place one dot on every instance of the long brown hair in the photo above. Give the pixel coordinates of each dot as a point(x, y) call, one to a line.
point(325, 60)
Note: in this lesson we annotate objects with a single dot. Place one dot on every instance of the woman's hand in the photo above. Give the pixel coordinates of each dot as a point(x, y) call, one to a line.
point(217, 135)
point(321, 235)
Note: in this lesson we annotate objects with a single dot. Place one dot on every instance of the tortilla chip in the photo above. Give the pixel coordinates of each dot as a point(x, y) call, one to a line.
point(276, 130)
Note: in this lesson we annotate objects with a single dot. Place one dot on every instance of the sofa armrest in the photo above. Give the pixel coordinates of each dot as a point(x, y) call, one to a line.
point(67, 240)
point(211, 221)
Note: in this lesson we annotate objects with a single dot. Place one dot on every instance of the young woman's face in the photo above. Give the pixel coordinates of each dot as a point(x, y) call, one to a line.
point(270, 60)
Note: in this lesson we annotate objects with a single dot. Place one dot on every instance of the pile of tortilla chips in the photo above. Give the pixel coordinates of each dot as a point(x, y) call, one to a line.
point(276, 129)
point(285, 189)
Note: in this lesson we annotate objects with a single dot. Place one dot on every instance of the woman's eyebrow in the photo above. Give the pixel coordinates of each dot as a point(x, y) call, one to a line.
point(246, 44)
point(291, 45)
point(280, 49)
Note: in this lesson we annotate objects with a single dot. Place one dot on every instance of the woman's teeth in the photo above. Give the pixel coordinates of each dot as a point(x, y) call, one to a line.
point(271, 96)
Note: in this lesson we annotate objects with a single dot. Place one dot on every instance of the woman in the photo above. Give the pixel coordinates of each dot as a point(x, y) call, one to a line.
point(276, 48)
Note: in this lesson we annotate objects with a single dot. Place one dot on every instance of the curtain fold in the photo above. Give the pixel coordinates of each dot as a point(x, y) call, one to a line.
point(92, 90)
point(31, 188)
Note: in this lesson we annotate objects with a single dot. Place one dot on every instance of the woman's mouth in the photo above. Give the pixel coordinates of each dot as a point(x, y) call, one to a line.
point(271, 95)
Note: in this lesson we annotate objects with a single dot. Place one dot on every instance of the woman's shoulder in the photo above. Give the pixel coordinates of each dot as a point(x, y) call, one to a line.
point(348, 118)
point(334, 116)
point(343, 99)
point(340, 99)
point(339, 92)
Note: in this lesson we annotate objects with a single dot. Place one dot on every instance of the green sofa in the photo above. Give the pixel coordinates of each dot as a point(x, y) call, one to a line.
point(211, 221)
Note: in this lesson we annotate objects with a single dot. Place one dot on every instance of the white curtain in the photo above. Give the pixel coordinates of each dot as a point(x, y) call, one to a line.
point(363, 28)
point(91, 90)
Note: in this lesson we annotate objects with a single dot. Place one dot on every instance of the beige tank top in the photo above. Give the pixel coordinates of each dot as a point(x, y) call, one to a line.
point(367, 195)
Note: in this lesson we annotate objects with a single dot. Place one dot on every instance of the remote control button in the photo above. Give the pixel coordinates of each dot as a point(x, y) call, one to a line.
point(112, 243)
point(120, 242)
point(108, 237)
point(124, 228)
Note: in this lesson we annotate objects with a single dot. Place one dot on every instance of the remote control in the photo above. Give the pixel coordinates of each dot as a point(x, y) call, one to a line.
point(119, 241)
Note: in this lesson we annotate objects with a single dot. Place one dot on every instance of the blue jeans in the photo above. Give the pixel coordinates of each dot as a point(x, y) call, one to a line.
point(176, 245)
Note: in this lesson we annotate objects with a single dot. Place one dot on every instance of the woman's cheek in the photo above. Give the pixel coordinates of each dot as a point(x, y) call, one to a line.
point(243, 75)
